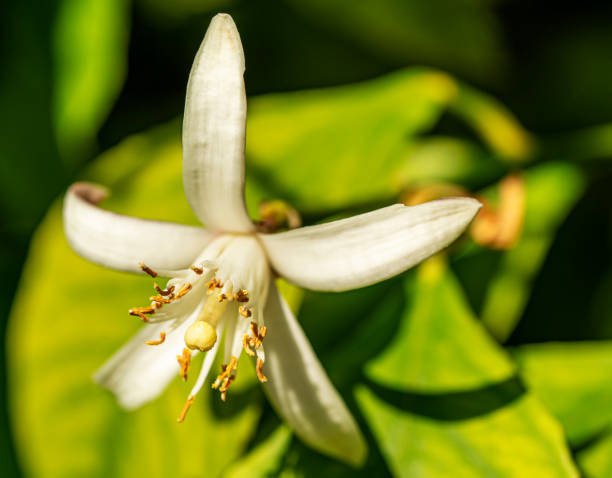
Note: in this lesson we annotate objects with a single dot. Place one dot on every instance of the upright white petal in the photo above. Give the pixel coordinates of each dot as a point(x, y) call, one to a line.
point(367, 248)
point(214, 130)
point(300, 390)
point(121, 242)
point(138, 373)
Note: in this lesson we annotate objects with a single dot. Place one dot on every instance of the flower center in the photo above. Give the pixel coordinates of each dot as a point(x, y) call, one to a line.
point(223, 291)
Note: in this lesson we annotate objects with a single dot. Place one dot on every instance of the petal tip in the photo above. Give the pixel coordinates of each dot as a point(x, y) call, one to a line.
point(89, 192)
point(222, 32)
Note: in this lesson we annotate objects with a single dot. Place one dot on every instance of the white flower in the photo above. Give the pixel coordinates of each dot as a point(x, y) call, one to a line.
point(222, 277)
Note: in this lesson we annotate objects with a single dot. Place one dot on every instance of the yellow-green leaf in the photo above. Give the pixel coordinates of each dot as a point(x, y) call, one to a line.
point(90, 55)
point(574, 381)
point(442, 401)
point(340, 147)
point(428, 351)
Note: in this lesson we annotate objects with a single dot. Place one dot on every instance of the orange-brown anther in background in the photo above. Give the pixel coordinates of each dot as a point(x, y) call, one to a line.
point(501, 228)
point(197, 270)
point(162, 338)
point(246, 313)
point(432, 192)
point(184, 361)
point(276, 215)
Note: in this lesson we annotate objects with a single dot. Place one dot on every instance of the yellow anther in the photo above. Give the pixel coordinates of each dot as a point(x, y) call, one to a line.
point(241, 296)
point(246, 344)
point(164, 292)
point(184, 361)
point(255, 340)
point(258, 368)
point(147, 269)
point(200, 336)
point(197, 270)
point(162, 338)
point(222, 297)
point(141, 311)
point(225, 378)
point(246, 313)
point(160, 299)
point(213, 284)
point(185, 409)
point(186, 287)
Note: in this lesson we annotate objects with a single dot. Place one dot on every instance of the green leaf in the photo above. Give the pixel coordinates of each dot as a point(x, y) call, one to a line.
point(342, 147)
point(71, 315)
point(596, 460)
point(90, 44)
point(427, 421)
point(517, 440)
point(552, 189)
point(574, 381)
point(428, 351)
point(265, 458)
point(495, 124)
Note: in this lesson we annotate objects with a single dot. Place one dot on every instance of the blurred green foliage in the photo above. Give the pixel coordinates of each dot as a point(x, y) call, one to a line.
point(420, 359)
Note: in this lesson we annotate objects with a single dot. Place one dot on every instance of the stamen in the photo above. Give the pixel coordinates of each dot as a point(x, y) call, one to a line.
point(147, 269)
point(184, 361)
point(160, 300)
point(163, 292)
point(258, 368)
point(246, 313)
point(141, 311)
point(253, 342)
point(225, 378)
point(185, 409)
point(162, 338)
point(186, 287)
point(222, 297)
point(246, 342)
point(213, 284)
point(241, 296)
point(198, 270)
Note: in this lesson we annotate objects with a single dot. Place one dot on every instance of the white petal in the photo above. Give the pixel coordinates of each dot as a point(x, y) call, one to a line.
point(121, 242)
point(300, 390)
point(214, 130)
point(368, 248)
point(138, 373)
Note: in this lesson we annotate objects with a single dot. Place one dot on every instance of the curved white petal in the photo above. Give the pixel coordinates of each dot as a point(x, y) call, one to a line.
point(121, 242)
point(138, 373)
point(300, 390)
point(214, 130)
point(368, 248)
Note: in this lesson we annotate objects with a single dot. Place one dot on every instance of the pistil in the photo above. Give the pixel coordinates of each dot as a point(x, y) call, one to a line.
point(201, 335)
